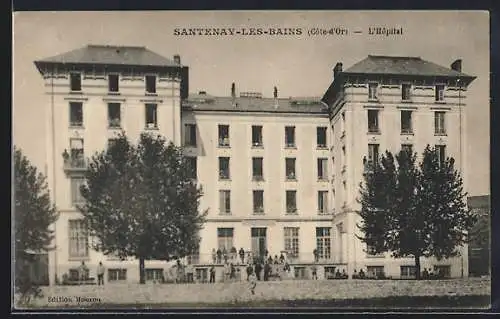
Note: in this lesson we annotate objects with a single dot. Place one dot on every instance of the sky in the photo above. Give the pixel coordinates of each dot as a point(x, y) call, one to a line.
point(299, 65)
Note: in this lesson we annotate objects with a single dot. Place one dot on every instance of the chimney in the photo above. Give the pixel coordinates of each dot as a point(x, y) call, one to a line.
point(457, 65)
point(337, 69)
point(275, 97)
point(177, 59)
point(233, 90)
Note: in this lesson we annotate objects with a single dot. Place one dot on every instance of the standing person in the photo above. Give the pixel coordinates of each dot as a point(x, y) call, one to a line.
point(189, 273)
point(314, 272)
point(267, 270)
point(258, 269)
point(219, 256)
point(214, 256)
point(282, 258)
point(224, 254)
point(249, 271)
point(253, 282)
point(316, 255)
point(100, 274)
point(242, 255)
point(212, 274)
point(232, 274)
point(82, 272)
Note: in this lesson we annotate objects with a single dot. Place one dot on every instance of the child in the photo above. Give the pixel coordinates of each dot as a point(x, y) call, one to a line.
point(253, 282)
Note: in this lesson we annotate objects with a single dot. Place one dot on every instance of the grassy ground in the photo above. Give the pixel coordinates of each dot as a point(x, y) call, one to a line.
point(285, 294)
point(393, 302)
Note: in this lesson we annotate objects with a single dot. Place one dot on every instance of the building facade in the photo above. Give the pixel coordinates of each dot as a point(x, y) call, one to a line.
point(392, 103)
point(480, 246)
point(280, 175)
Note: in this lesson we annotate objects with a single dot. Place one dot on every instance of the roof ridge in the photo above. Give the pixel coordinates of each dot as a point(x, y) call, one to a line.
point(116, 46)
point(394, 57)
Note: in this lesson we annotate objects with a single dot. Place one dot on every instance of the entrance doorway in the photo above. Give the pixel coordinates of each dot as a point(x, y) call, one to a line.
point(259, 242)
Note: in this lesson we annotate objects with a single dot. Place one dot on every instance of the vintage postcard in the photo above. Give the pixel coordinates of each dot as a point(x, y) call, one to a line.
point(251, 159)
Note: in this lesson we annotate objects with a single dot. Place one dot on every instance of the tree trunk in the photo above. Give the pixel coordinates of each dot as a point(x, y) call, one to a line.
point(142, 277)
point(417, 267)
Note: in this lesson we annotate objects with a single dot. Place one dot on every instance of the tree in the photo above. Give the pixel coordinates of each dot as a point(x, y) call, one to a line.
point(141, 201)
point(34, 212)
point(423, 207)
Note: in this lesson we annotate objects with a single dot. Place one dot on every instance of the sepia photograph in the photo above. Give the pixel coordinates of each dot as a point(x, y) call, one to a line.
point(251, 160)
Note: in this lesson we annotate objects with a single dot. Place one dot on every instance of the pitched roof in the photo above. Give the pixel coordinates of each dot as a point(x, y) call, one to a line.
point(376, 64)
point(205, 102)
point(108, 54)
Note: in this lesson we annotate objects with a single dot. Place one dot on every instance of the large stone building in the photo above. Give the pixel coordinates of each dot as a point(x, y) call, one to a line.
point(389, 103)
point(279, 174)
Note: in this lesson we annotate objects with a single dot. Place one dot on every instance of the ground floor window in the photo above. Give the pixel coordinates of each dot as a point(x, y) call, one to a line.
point(117, 274)
point(154, 274)
point(408, 271)
point(323, 242)
point(292, 241)
point(375, 271)
point(225, 238)
point(300, 272)
point(202, 274)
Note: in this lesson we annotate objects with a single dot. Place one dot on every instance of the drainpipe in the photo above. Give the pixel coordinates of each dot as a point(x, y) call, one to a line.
point(54, 187)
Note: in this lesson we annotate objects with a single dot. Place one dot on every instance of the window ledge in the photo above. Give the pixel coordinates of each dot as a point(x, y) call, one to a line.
point(290, 180)
point(225, 214)
point(76, 127)
point(151, 128)
point(406, 101)
point(258, 213)
point(114, 93)
point(440, 102)
point(258, 179)
point(292, 213)
point(322, 147)
point(407, 133)
point(150, 94)
point(224, 146)
point(375, 256)
point(374, 132)
point(190, 146)
point(76, 92)
point(290, 147)
point(440, 134)
point(114, 127)
point(260, 146)
point(322, 179)
point(224, 179)
point(374, 100)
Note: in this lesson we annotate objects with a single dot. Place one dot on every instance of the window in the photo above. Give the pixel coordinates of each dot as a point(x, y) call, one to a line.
point(77, 157)
point(225, 238)
point(406, 92)
point(406, 125)
point(258, 202)
point(257, 136)
point(76, 196)
point(408, 148)
point(291, 202)
point(292, 241)
point(150, 84)
point(257, 171)
point(299, 272)
point(290, 136)
point(117, 274)
point(323, 242)
point(439, 123)
point(373, 126)
point(408, 271)
point(442, 271)
point(225, 202)
point(224, 168)
point(154, 274)
point(375, 271)
point(190, 135)
point(439, 93)
point(224, 135)
point(373, 153)
point(76, 114)
point(151, 116)
point(75, 82)
point(441, 153)
point(322, 168)
point(114, 115)
point(323, 202)
point(78, 239)
point(290, 169)
point(372, 91)
point(113, 83)
point(192, 167)
point(321, 137)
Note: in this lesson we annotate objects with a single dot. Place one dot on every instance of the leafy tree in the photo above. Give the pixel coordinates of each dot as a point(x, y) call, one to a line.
point(33, 214)
point(141, 201)
point(423, 206)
